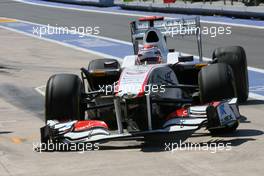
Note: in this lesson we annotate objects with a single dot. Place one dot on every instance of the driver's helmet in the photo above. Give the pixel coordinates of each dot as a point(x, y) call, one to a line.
point(149, 54)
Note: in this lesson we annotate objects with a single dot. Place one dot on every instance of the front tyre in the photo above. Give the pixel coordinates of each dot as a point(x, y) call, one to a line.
point(216, 82)
point(63, 98)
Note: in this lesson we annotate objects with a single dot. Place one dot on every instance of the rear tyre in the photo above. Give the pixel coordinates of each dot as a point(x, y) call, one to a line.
point(63, 98)
point(216, 83)
point(235, 56)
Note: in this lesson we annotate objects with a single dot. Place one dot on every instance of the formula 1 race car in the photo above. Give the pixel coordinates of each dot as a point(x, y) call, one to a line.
point(156, 90)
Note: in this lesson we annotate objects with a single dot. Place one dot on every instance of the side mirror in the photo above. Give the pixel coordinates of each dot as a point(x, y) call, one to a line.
point(185, 58)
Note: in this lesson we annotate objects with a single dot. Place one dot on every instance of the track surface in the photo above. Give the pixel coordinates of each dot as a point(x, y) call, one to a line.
point(26, 63)
point(116, 26)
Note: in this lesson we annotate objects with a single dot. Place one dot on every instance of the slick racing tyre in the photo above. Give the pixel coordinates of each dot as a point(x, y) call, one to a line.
point(216, 83)
point(235, 56)
point(63, 98)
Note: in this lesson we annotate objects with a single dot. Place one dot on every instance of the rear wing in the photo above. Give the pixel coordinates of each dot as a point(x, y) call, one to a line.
point(168, 27)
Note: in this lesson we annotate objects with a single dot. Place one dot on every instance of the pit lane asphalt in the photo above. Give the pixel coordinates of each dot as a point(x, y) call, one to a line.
point(117, 27)
point(26, 63)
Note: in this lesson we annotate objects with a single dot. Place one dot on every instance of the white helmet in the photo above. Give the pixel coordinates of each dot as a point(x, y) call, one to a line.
point(149, 54)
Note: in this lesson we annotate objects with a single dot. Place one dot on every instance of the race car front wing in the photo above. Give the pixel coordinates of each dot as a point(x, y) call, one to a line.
point(213, 115)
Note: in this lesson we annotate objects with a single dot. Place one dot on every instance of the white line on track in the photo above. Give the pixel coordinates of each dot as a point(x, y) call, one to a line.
point(256, 69)
point(133, 14)
point(256, 96)
point(233, 24)
point(41, 90)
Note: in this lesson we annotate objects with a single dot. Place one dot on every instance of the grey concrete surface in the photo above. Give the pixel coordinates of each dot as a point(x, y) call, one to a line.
point(26, 63)
point(117, 27)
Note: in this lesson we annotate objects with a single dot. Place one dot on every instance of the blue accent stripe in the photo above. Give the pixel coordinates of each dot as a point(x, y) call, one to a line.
point(256, 82)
